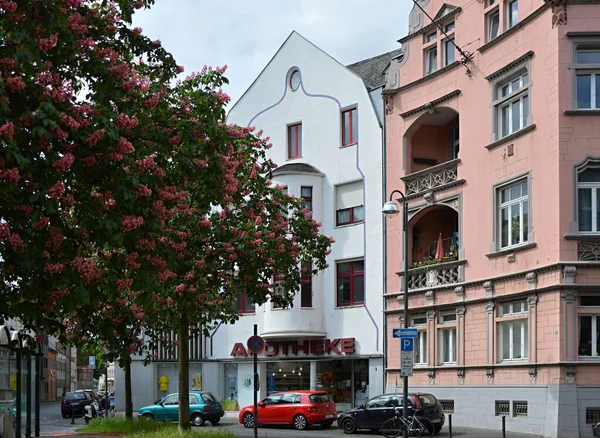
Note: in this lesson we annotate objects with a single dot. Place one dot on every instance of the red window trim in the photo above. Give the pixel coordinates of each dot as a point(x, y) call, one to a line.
point(351, 275)
point(242, 299)
point(307, 198)
point(350, 131)
point(351, 221)
point(307, 275)
point(294, 129)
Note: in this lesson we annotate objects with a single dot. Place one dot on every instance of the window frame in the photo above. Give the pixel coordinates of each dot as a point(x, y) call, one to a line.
point(449, 42)
point(242, 303)
point(500, 102)
point(426, 52)
point(581, 45)
point(494, 12)
point(353, 120)
point(448, 326)
point(594, 313)
point(513, 319)
point(306, 288)
point(498, 206)
point(508, 17)
point(353, 217)
point(308, 200)
point(429, 37)
point(352, 274)
point(420, 343)
point(294, 129)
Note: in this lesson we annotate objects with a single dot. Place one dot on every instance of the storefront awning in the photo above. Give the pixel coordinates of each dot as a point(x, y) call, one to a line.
point(292, 334)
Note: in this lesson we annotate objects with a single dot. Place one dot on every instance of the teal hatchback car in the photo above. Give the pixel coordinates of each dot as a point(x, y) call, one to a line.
point(203, 407)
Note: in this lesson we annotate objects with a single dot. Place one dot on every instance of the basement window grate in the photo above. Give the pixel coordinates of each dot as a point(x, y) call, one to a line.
point(520, 409)
point(502, 407)
point(448, 406)
point(592, 415)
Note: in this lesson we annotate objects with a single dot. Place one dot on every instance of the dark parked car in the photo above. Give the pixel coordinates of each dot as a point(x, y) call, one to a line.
point(380, 408)
point(75, 403)
point(203, 406)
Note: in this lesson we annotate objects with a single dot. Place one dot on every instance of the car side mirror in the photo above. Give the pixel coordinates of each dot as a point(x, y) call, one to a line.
point(362, 407)
point(261, 404)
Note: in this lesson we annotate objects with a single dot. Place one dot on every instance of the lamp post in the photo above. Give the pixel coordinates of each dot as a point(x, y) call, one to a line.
point(390, 209)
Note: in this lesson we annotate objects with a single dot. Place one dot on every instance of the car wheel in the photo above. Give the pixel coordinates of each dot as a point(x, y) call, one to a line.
point(198, 420)
point(248, 420)
point(348, 425)
point(148, 417)
point(215, 421)
point(300, 422)
point(326, 424)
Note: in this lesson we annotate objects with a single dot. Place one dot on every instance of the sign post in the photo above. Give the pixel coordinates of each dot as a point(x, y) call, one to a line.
point(255, 345)
point(407, 359)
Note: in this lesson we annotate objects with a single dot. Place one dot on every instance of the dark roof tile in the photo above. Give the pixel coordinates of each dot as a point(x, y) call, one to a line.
point(372, 70)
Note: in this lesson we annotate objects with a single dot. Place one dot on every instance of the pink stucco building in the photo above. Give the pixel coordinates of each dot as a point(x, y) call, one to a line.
point(496, 144)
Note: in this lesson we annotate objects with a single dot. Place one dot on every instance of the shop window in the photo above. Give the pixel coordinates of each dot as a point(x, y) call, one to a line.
point(294, 140)
point(513, 213)
point(512, 332)
point(306, 290)
point(511, 103)
point(349, 127)
point(588, 197)
point(306, 193)
point(349, 206)
point(586, 73)
point(243, 304)
point(350, 283)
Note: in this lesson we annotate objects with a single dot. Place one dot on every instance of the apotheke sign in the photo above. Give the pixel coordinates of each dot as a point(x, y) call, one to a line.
point(314, 347)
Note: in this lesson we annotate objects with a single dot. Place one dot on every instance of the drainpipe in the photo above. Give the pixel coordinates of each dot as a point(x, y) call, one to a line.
point(384, 246)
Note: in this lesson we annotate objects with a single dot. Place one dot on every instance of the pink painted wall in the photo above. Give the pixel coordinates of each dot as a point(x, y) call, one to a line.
point(431, 142)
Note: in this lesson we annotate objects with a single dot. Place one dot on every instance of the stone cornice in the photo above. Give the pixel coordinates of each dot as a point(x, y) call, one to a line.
point(430, 105)
point(514, 29)
point(430, 26)
point(423, 79)
point(510, 66)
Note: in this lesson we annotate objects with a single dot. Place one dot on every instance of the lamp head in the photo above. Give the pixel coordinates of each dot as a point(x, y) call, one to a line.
point(390, 209)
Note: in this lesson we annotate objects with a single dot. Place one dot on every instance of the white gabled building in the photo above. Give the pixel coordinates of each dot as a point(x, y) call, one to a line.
point(325, 123)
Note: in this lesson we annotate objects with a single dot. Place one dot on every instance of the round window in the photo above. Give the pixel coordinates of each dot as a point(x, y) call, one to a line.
point(295, 80)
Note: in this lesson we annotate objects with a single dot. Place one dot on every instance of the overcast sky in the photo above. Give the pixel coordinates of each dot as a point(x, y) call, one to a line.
point(246, 34)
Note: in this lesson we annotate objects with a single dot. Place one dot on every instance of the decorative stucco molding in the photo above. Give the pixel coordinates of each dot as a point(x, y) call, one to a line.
point(431, 375)
point(531, 280)
point(430, 105)
point(460, 311)
point(569, 296)
point(570, 375)
point(489, 307)
point(389, 104)
point(533, 374)
point(559, 12)
point(431, 315)
point(532, 301)
point(460, 293)
point(489, 289)
point(569, 274)
point(508, 67)
point(461, 376)
point(489, 372)
point(430, 297)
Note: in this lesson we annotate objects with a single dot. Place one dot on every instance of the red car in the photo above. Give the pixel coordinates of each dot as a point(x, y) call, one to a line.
point(298, 408)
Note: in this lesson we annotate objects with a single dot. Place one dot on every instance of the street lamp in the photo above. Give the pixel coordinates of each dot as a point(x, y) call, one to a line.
point(390, 209)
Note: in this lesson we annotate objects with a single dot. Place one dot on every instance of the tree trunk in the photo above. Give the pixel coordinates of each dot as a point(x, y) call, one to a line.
point(128, 397)
point(183, 348)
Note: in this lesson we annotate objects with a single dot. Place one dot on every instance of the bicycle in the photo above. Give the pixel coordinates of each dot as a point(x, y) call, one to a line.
point(417, 425)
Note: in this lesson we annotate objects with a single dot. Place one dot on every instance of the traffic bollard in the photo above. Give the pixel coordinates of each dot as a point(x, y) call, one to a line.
point(450, 425)
point(504, 426)
point(72, 414)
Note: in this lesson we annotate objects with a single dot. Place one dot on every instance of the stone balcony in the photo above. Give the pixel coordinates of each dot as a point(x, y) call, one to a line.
point(432, 178)
point(436, 275)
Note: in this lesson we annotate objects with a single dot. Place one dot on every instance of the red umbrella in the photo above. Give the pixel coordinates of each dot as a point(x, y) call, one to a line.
point(439, 252)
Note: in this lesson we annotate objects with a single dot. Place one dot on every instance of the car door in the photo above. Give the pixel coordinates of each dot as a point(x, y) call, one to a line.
point(195, 404)
point(377, 411)
point(287, 408)
point(169, 408)
point(267, 413)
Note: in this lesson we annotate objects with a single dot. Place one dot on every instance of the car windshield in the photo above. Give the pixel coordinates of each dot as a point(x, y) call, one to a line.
point(75, 396)
point(427, 400)
point(208, 398)
point(318, 398)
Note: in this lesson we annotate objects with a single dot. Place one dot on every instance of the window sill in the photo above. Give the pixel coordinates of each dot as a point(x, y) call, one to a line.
point(307, 308)
point(353, 306)
point(582, 112)
point(293, 158)
point(512, 249)
point(348, 145)
point(511, 137)
point(513, 361)
point(247, 314)
point(350, 225)
point(587, 236)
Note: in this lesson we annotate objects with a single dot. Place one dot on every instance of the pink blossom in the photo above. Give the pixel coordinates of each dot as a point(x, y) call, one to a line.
point(55, 268)
point(11, 175)
point(86, 268)
point(64, 162)
point(143, 191)
point(146, 163)
point(8, 129)
point(8, 6)
point(126, 122)
point(57, 190)
point(124, 283)
point(130, 223)
point(15, 83)
point(131, 260)
point(42, 223)
point(88, 161)
point(46, 44)
point(137, 30)
point(125, 146)
point(95, 137)
point(16, 242)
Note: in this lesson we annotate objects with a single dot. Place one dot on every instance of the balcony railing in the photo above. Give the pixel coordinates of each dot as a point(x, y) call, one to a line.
point(431, 178)
point(439, 274)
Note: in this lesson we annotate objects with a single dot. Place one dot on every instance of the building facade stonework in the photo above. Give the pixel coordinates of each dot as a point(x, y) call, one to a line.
point(493, 135)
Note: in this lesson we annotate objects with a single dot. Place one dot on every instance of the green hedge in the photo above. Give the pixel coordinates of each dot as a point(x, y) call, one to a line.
point(140, 428)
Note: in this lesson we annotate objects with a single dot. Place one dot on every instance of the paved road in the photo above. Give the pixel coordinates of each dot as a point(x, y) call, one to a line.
point(53, 425)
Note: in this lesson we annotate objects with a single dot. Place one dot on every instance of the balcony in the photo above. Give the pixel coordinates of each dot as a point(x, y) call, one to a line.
point(432, 275)
point(431, 178)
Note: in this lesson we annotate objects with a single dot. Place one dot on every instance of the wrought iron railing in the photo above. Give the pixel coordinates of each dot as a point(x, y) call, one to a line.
point(431, 178)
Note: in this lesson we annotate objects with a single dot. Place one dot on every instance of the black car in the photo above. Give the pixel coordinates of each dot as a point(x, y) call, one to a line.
point(380, 408)
point(74, 403)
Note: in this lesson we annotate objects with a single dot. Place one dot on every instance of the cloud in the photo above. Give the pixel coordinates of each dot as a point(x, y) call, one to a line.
point(246, 34)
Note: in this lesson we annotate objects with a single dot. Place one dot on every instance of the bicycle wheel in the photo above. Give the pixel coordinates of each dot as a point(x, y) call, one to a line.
point(424, 427)
point(391, 427)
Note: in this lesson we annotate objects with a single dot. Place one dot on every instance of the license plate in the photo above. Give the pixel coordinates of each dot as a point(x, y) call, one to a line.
point(329, 415)
point(436, 420)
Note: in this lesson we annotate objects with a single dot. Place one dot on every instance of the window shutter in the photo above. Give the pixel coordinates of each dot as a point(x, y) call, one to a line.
point(349, 195)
